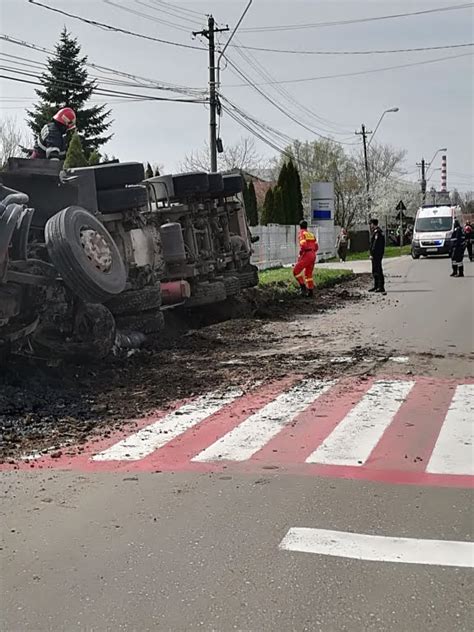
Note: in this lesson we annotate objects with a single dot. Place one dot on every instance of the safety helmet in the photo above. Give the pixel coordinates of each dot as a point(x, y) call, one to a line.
point(67, 117)
point(303, 224)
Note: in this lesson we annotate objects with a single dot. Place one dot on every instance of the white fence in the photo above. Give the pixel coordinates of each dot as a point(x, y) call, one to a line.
point(278, 245)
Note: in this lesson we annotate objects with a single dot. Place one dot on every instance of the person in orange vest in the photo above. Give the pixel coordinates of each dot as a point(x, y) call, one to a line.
point(303, 270)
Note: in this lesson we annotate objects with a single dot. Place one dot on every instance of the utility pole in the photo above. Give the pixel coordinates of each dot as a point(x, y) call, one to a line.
point(423, 179)
point(364, 133)
point(209, 34)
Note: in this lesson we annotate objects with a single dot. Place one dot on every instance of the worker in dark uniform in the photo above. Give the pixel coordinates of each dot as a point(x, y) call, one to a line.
point(52, 140)
point(377, 250)
point(468, 238)
point(458, 244)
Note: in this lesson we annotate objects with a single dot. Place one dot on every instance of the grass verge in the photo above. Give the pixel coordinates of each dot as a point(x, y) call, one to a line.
point(283, 280)
point(390, 251)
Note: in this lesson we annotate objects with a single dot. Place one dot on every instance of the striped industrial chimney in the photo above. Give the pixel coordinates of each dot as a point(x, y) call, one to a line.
point(444, 173)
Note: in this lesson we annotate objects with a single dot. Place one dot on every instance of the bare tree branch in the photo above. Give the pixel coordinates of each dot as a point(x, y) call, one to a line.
point(12, 139)
point(241, 156)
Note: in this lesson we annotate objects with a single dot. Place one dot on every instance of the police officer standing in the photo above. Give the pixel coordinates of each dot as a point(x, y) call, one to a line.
point(468, 238)
point(458, 244)
point(377, 250)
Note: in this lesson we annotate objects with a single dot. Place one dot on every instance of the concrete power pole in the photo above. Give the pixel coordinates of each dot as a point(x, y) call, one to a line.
point(364, 133)
point(423, 179)
point(209, 34)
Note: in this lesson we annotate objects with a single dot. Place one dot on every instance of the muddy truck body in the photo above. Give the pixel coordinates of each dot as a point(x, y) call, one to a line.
point(91, 257)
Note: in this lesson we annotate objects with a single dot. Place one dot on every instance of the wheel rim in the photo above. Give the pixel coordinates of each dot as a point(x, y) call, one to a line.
point(96, 249)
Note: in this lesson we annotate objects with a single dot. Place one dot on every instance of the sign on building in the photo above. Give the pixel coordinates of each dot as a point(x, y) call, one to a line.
point(322, 201)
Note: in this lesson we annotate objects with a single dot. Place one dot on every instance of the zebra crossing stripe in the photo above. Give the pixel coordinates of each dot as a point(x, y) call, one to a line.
point(148, 439)
point(453, 452)
point(356, 436)
point(243, 441)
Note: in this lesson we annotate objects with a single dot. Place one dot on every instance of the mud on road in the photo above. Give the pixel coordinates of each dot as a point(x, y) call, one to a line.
point(257, 337)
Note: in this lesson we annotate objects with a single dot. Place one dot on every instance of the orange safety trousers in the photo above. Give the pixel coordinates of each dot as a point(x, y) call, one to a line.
point(304, 267)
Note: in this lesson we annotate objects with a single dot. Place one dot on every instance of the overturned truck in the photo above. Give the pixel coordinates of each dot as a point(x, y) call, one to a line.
point(91, 257)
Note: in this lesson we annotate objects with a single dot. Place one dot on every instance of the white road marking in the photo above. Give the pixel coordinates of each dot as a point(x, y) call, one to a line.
point(156, 435)
point(376, 548)
point(352, 441)
point(453, 452)
point(256, 431)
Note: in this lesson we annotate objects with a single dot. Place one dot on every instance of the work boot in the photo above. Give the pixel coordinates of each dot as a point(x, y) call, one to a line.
point(373, 289)
point(461, 271)
point(303, 290)
point(454, 272)
point(310, 293)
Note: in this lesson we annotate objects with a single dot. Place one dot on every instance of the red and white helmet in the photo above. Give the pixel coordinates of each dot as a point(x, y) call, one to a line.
point(67, 117)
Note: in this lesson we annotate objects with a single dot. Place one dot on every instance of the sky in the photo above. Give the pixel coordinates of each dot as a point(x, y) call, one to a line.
point(435, 100)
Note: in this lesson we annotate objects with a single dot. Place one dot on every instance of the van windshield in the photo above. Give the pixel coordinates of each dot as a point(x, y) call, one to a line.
point(434, 224)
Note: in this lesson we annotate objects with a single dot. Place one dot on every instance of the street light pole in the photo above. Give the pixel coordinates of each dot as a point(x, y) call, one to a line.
point(380, 120)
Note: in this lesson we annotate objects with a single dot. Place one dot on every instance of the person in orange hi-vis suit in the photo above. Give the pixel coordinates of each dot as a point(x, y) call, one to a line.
point(303, 270)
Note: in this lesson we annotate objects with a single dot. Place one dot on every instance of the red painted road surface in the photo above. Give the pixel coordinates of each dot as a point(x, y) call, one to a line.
point(400, 431)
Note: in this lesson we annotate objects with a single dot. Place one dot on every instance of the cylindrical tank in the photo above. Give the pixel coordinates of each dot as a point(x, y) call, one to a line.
point(173, 243)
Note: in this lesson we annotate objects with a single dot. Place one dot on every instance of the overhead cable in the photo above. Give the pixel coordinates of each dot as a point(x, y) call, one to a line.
point(392, 16)
point(358, 52)
point(115, 29)
point(356, 73)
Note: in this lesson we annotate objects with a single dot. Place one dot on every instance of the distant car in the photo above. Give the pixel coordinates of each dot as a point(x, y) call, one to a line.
point(433, 230)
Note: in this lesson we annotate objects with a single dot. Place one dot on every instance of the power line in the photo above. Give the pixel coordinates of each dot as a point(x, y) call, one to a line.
point(173, 13)
point(279, 107)
point(97, 90)
point(356, 52)
point(179, 9)
point(159, 85)
point(286, 95)
point(290, 27)
point(147, 16)
point(115, 29)
point(356, 73)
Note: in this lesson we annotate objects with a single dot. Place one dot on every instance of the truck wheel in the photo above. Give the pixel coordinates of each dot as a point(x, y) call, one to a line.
point(93, 338)
point(189, 184)
point(115, 200)
point(206, 293)
point(148, 322)
point(115, 175)
point(133, 301)
point(85, 255)
point(216, 183)
point(249, 277)
point(232, 184)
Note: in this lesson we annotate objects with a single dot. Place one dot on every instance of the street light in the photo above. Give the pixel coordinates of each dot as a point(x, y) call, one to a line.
point(434, 156)
point(380, 120)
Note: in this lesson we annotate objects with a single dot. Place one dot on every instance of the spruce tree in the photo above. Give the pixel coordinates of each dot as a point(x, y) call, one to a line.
point(75, 155)
point(268, 210)
point(65, 83)
point(252, 212)
point(148, 171)
point(94, 158)
point(299, 196)
point(157, 172)
point(245, 195)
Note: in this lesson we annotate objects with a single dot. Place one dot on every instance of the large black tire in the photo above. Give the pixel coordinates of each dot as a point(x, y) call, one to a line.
point(206, 293)
point(216, 183)
point(148, 322)
point(115, 200)
point(248, 277)
point(190, 184)
point(93, 340)
point(133, 301)
point(233, 184)
point(115, 175)
point(85, 255)
point(413, 256)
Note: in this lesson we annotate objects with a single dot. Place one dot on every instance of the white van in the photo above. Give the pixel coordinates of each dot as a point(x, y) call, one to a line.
point(433, 229)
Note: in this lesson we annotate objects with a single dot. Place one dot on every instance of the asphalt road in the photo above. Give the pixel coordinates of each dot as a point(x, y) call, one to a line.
point(201, 550)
